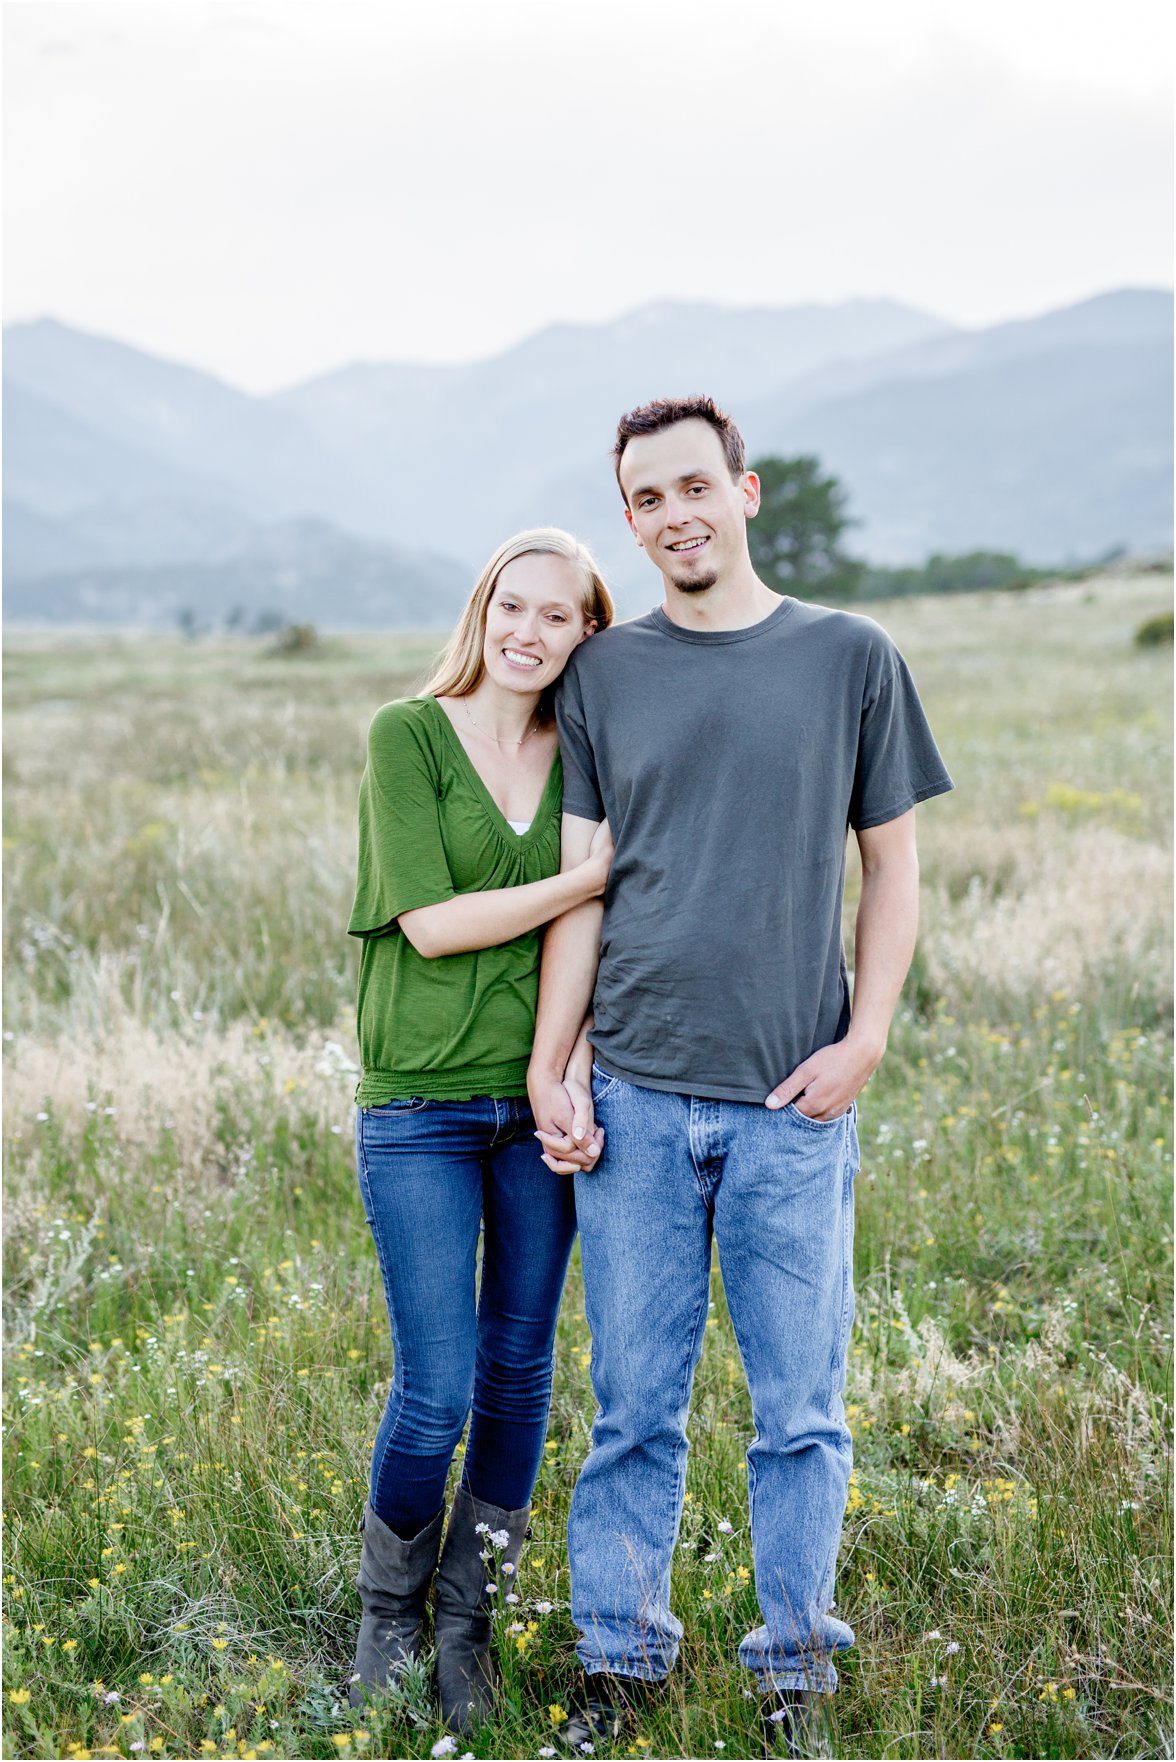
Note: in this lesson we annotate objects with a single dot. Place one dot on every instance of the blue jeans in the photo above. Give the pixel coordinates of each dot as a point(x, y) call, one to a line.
point(432, 1175)
point(775, 1191)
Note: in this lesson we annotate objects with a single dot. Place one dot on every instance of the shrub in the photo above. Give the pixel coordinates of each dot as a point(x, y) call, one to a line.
point(295, 639)
point(1153, 633)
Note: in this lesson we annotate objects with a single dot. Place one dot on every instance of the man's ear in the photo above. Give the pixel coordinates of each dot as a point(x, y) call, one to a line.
point(632, 526)
point(750, 484)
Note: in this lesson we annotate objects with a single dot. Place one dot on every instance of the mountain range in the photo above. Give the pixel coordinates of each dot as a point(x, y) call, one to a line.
point(136, 489)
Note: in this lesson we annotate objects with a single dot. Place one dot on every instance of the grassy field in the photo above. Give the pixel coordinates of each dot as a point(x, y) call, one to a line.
point(196, 1347)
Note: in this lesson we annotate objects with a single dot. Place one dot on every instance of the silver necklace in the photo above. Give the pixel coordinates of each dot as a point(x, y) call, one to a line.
point(494, 737)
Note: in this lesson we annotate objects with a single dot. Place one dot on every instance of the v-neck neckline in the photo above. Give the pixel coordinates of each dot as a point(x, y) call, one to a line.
point(503, 825)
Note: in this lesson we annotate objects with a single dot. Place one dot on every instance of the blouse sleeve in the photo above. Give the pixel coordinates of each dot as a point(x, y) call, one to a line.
point(402, 863)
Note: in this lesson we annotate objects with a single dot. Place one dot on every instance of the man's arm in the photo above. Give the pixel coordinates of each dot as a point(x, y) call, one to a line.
point(884, 941)
point(567, 976)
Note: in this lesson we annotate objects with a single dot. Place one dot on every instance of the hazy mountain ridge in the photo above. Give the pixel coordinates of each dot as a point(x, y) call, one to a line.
point(1058, 456)
point(1051, 435)
point(259, 455)
point(302, 571)
point(1128, 316)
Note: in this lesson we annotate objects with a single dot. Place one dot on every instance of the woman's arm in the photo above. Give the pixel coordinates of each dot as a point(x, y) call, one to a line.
point(580, 1062)
point(480, 920)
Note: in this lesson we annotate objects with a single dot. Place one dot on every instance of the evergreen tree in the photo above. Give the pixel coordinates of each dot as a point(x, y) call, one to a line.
point(796, 537)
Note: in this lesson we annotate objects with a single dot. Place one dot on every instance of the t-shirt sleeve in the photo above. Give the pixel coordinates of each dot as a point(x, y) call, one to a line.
point(402, 862)
point(898, 761)
point(581, 791)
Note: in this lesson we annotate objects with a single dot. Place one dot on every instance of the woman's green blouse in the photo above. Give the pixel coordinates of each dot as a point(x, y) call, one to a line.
point(462, 1024)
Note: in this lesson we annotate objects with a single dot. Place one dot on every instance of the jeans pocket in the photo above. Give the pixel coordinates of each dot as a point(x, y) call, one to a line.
point(803, 1119)
point(602, 1084)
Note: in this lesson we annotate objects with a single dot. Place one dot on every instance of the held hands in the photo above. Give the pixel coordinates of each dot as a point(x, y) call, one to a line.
point(566, 1133)
point(826, 1085)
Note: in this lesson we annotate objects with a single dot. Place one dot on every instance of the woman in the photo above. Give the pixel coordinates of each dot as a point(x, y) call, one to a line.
point(459, 820)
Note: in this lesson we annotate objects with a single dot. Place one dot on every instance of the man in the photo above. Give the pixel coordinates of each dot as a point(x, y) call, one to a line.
point(730, 738)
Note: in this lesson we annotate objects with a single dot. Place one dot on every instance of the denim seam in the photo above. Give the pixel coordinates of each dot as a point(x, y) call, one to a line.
point(842, 1342)
point(691, 1356)
point(399, 1370)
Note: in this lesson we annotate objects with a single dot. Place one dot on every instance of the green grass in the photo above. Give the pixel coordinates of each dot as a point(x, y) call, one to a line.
point(196, 1347)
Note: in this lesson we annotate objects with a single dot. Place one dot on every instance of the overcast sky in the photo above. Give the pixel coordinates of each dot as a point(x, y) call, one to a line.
point(269, 188)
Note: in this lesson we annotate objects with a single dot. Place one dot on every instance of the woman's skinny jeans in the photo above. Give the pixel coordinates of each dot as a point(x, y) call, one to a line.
point(432, 1174)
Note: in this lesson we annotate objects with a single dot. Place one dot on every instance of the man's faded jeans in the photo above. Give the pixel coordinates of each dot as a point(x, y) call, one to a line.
point(775, 1191)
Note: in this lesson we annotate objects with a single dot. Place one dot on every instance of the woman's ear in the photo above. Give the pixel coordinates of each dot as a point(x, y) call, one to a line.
point(588, 629)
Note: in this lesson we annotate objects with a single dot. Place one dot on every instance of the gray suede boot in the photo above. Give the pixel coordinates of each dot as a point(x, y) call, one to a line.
point(393, 1585)
point(461, 1615)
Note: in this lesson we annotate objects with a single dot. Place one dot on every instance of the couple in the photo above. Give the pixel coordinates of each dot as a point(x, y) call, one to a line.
point(724, 744)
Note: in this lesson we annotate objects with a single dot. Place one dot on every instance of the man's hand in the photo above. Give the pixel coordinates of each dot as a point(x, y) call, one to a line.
point(563, 1116)
point(829, 1081)
point(884, 939)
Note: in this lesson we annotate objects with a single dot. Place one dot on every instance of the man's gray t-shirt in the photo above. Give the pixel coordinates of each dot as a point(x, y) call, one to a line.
point(730, 765)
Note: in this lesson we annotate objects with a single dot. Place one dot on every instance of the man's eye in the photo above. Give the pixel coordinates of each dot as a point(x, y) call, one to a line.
point(647, 501)
point(697, 489)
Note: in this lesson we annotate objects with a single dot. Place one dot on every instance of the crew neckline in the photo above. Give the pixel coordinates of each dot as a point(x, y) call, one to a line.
point(745, 632)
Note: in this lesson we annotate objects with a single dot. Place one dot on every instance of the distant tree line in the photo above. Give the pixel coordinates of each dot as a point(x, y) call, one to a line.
point(289, 638)
point(797, 545)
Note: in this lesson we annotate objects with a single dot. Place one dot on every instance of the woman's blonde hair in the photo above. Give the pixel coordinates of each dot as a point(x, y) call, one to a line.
point(460, 669)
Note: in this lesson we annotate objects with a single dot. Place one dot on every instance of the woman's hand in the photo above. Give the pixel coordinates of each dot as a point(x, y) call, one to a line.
point(600, 855)
point(580, 1146)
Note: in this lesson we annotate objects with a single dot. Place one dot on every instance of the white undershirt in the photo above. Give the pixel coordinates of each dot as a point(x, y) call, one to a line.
point(519, 826)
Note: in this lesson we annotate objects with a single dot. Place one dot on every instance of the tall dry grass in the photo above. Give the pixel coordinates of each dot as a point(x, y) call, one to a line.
point(196, 1344)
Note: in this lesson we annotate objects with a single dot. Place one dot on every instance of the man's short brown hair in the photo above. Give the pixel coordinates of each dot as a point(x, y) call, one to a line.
point(665, 412)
